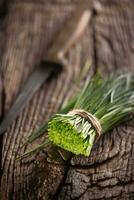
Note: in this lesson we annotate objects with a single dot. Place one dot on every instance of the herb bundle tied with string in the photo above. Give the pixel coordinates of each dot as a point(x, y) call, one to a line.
point(100, 106)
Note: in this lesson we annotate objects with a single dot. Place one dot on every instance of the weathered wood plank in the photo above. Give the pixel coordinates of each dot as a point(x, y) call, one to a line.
point(108, 172)
point(30, 29)
point(1, 96)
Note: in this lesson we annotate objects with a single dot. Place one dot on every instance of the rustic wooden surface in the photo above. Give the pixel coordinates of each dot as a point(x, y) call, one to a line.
point(108, 43)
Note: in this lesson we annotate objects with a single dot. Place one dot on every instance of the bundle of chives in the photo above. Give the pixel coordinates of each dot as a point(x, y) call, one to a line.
point(101, 105)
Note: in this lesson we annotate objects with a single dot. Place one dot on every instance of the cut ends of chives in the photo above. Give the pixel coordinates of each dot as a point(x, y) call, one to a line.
point(72, 133)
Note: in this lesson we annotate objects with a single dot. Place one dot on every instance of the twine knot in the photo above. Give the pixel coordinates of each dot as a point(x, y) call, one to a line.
point(90, 118)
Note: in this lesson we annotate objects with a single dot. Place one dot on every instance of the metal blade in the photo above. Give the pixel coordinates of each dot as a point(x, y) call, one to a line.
point(37, 78)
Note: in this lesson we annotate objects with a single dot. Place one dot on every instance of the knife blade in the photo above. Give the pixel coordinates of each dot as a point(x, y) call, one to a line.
point(71, 32)
point(37, 78)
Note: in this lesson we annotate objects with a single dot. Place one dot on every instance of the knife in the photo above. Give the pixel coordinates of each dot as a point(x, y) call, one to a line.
point(54, 58)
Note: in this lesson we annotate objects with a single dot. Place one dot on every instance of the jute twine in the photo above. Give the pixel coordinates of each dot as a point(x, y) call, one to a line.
point(90, 118)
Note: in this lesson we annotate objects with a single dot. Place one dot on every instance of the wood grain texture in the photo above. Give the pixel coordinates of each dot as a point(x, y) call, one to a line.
point(109, 172)
point(1, 96)
point(109, 43)
point(33, 28)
